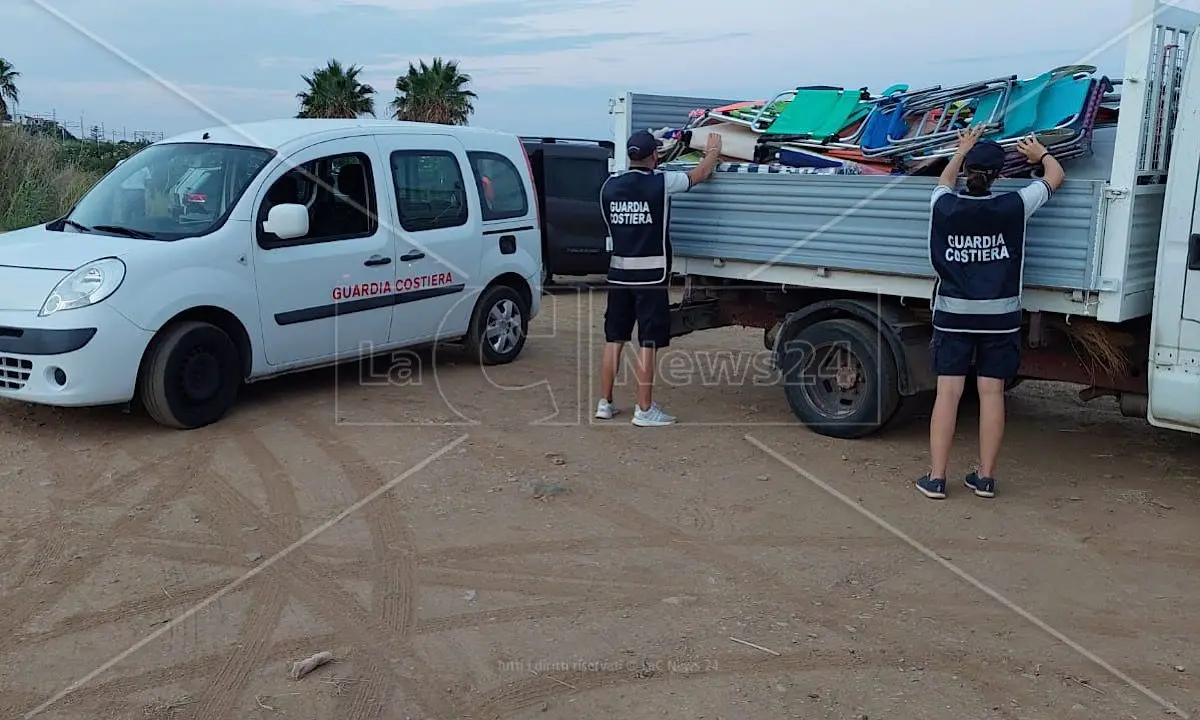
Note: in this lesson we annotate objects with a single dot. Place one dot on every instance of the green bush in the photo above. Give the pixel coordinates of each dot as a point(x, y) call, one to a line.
point(42, 177)
point(96, 157)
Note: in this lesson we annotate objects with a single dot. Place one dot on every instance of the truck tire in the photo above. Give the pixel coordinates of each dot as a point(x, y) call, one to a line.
point(498, 326)
point(858, 399)
point(191, 375)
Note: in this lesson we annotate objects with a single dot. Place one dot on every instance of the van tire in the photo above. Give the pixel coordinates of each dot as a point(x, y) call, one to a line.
point(500, 309)
point(875, 383)
point(191, 375)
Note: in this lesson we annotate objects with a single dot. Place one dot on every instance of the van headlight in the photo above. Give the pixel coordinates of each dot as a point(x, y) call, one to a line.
point(86, 285)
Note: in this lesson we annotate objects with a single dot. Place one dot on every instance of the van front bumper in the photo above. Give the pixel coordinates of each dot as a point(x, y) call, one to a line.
point(75, 358)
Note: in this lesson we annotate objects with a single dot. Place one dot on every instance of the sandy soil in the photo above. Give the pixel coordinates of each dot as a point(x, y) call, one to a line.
point(549, 566)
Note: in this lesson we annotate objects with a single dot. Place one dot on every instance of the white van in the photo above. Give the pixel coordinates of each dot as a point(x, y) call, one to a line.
point(235, 254)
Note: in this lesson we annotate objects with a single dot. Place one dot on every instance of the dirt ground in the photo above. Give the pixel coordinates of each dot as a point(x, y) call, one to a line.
point(550, 566)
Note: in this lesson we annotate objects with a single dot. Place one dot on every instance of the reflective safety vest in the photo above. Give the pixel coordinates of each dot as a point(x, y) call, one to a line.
point(634, 204)
point(977, 249)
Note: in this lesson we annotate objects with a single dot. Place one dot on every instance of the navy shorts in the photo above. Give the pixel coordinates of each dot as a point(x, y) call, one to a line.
point(993, 355)
point(647, 307)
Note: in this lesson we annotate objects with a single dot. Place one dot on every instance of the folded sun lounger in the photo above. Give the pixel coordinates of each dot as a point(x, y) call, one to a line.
point(817, 113)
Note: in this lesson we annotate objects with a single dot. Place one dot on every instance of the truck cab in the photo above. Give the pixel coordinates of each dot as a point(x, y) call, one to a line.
point(568, 174)
point(1174, 367)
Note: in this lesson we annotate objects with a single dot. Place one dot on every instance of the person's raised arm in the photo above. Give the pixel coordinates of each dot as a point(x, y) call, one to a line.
point(1037, 154)
point(712, 155)
point(966, 140)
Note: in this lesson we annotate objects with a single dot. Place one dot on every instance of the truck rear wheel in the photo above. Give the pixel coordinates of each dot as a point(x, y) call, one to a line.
point(840, 378)
point(191, 375)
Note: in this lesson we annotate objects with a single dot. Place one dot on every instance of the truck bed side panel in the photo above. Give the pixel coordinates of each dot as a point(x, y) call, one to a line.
point(868, 224)
point(653, 112)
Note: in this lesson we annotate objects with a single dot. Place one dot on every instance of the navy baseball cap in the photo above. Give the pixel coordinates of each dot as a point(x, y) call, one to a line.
point(986, 155)
point(641, 145)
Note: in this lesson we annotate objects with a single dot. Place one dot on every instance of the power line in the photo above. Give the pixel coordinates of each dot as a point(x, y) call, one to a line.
point(70, 128)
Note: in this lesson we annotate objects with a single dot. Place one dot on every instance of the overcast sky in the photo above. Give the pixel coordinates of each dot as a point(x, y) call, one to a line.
point(539, 66)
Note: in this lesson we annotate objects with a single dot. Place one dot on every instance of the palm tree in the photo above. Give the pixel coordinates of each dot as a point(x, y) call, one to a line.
point(8, 88)
point(434, 93)
point(335, 92)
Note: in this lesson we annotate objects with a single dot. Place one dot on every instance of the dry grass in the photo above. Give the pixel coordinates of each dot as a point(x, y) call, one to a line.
point(36, 185)
point(1098, 348)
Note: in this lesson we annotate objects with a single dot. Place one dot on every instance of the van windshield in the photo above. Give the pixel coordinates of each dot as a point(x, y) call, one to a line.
point(168, 192)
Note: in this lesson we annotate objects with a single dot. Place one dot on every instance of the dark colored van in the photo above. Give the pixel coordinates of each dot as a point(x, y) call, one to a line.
point(567, 174)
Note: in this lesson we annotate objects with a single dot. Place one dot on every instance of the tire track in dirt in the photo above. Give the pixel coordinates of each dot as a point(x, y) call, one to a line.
point(1105, 549)
point(551, 585)
point(392, 548)
point(322, 592)
point(178, 544)
point(270, 599)
point(18, 607)
point(101, 493)
point(1073, 623)
point(520, 695)
point(543, 611)
point(764, 579)
point(51, 551)
point(200, 554)
point(11, 549)
point(277, 482)
point(221, 696)
point(534, 547)
point(145, 605)
point(14, 703)
point(97, 699)
point(392, 542)
point(756, 576)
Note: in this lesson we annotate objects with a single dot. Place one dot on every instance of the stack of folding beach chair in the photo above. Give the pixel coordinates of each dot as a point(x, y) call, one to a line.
point(904, 131)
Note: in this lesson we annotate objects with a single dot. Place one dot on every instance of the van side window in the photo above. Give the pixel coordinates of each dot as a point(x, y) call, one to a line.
point(501, 189)
point(580, 179)
point(339, 191)
point(429, 189)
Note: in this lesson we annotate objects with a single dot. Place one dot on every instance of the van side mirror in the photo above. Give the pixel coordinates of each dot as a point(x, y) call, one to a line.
point(287, 221)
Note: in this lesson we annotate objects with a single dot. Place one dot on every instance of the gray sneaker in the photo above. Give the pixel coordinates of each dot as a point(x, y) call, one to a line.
point(605, 410)
point(652, 417)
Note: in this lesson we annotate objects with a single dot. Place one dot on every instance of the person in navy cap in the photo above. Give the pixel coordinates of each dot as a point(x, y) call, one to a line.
point(977, 249)
point(635, 204)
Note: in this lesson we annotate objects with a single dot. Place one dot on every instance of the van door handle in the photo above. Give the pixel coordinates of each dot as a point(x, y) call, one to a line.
point(377, 260)
point(415, 255)
point(1193, 259)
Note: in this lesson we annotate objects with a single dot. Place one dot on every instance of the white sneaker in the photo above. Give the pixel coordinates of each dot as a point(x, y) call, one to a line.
point(653, 417)
point(605, 410)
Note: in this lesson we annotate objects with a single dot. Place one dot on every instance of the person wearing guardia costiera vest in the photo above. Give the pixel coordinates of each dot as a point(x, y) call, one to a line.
point(636, 205)
point(977, 249)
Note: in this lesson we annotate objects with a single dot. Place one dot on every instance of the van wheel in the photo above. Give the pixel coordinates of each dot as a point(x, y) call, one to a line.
point(499, 326)
point(840, 378)
point(191, 376)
